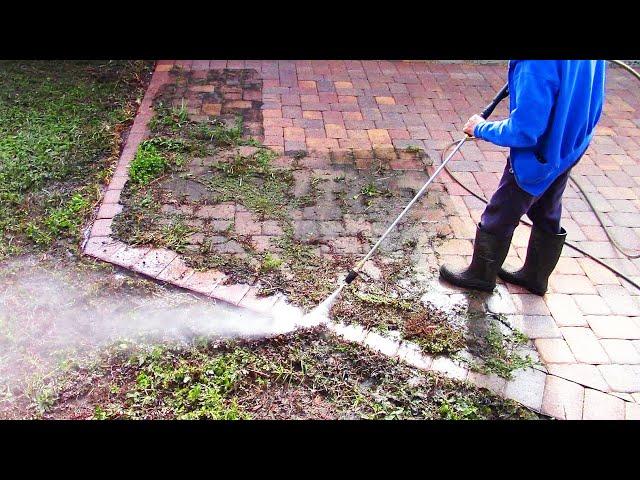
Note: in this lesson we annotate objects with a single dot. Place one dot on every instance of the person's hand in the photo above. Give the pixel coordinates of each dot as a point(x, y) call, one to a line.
point(471, 124)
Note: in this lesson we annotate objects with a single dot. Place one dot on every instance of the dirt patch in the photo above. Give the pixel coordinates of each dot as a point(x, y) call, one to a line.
point(204, 186)
point(303, 375)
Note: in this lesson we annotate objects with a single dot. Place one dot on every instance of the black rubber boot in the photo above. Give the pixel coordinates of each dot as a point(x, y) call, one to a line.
point(543, 253)
point(489, 252)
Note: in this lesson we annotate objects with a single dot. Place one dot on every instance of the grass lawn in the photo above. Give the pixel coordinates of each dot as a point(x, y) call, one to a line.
point(61, 126)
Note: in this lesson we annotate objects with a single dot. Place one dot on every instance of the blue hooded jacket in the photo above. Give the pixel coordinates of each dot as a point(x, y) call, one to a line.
point(554, 105)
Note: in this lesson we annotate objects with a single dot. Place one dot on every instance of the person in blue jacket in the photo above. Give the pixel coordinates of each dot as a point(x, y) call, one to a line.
point(554, 108)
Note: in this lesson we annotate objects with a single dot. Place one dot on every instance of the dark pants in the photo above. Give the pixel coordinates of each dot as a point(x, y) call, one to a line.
point(510, 202)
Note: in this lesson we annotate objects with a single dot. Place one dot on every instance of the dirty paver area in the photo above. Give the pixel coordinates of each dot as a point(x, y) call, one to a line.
point(123, 347)
point(223, 200)
point(203, 186)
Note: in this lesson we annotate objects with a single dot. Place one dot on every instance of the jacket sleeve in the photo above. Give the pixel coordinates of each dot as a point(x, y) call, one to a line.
point(535, 96)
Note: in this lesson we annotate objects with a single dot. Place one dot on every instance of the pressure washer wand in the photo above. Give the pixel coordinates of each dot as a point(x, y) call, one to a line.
point(353, 273)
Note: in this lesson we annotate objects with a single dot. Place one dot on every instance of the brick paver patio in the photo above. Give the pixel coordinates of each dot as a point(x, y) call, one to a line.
point(587, 327)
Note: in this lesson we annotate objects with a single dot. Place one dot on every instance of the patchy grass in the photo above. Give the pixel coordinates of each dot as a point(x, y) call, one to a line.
point(458, 407)
point(60, 133)
point(65, 220)
point(295, 269)
point(52, 310)
point(174, 122)
point(168, 118)
point(301, 375)
point(496, 346)
point(147, 164)
point(308, 374)
point(251, 181)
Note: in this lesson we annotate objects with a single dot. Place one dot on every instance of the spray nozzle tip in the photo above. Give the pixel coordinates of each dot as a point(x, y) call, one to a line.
point(351, 276)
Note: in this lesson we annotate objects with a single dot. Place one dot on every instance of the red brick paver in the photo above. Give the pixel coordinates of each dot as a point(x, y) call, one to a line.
point(586, 328)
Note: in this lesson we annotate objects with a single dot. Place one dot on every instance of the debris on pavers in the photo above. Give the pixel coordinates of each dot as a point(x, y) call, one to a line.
point(204, 187)
point(303, 375)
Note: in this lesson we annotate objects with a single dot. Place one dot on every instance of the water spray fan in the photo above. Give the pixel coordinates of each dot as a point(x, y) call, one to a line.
point(353, 273)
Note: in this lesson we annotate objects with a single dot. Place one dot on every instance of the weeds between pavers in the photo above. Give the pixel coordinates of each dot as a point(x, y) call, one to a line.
point(60, 129)
point(239, 171)
point(496, 346)
point(188, 163)
point(306, 374)
point(386, 306)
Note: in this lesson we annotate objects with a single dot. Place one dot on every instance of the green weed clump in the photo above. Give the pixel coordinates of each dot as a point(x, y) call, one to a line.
point(187, 388)
point(498, 351)
point(270, 263)
point(147, 164)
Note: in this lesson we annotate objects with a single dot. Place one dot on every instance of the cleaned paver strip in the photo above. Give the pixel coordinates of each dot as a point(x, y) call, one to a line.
point(565, 311)
point(563, 399)
point(554, 350)
point(584, 345)
point(309, 105)
point(621, 351)
point(600, 406)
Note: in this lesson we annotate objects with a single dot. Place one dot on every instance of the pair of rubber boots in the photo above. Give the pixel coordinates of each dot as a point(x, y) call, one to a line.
point(489, 252)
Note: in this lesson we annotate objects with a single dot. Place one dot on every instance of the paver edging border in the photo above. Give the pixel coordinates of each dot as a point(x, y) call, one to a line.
point(166, 266)
point(156, 263)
